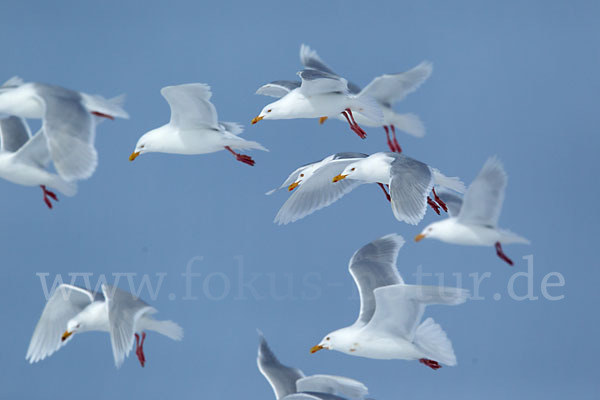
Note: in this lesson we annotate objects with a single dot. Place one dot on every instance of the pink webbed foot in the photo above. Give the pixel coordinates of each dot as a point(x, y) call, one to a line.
point(396, 144)
point(241, 157)
point(501, 254)
point(430, 363)
point(353, 125)
point(99, 114)
point(139, 348)
point(433, 205)
point(439, 201)
point(48, 195)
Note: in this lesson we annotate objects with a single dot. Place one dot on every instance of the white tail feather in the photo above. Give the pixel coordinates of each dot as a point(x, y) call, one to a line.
point(167, 328)
point(367, 106)
point(409, 123)
point(432, 340)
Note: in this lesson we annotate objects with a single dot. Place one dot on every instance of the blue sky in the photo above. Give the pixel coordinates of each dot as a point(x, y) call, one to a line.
point(514, 79)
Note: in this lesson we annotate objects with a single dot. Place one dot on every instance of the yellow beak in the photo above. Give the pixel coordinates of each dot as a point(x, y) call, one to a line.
point(419, 237)
point(256, 119)
point(322, 120)
point(66, 335)
point(316, 348)
point(293, 186)
point(134, 155)
point(339, 177)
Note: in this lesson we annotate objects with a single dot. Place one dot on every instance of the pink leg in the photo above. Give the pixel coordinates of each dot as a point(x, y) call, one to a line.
point(139, 348)
point(430, 363)
point(438, 200)
point(48, 195)
point(387, 196)
point(99, 114)
point(241, 157)
point(389, 142)
point(501, 254)
point(433, 205)
point(353, 125)
point(398, 148)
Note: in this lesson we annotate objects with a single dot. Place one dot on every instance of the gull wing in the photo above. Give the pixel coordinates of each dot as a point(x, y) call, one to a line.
point(281, 377)
point(483, 200)
point(14, 133)
point(390, 88)
point(373, 266)
point(190, 106)
point(124, 309)
point(336, 385)
point(278, 88)
point(410, 183)
point(65, 303)
point(316, 82)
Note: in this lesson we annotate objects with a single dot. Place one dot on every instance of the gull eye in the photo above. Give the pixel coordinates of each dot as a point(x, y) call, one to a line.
point(142, 146)
point(269, 110)
point(352, 169)
point(301, 175)
point(327, 338)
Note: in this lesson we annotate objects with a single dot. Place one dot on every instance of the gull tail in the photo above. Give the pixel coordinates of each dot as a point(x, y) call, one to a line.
point(453, 183)
point(409, 123)
point(367, 106)
point(167, 328)
point(511, 237)
point(238, 143)
point(431, 339)
point(68, 188)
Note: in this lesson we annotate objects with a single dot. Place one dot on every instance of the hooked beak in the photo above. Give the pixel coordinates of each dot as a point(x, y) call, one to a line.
point(256, 119)
point(316, 348)
point(293, 186)
point(419, 237)
point(66, 335)
point(134, 155)
point(339, 177)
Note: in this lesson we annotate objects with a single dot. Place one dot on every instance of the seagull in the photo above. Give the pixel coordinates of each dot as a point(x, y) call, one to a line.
point(320, 94)
point(473, 221)
point(389, 323)
point(24, 160)
point(313, 187)
point(291, 383)
point(194, 127)
point(68, 121)
point(409, 182)
point(386, 90)
point(72, 310)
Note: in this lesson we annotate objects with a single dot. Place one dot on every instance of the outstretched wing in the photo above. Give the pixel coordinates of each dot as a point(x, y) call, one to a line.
point(70, 132)
point(390, 88)
point(311, 60)
point(410, 183)
point(483, 200)
point(278, 88)
point(453, 202)
point(399, 308)
point(317, 191)
point(190, 106)
point(281, 377)
point(316, 82)
point(373, 266)
point(124, 309)
point(66, 302)
point(14, 133)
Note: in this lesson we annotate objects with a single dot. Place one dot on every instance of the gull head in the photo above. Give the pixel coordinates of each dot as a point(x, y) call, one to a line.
point(352, 171)
point(375, 168)
point(304, 175)
point(436, 230)
point(275, 110)
point(149, 142)
point(335, 340)
point(73, 326)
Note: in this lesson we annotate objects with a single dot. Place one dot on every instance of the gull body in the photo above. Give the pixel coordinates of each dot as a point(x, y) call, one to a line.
point(72, 310)
point(194, 127)
point(389, 323)
point(409, 180)
point(473, 221)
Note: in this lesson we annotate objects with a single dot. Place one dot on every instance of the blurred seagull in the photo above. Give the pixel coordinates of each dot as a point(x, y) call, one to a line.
point(313, 187)
point(320, 94)
point(474, 220)
point(290, 383)
point(389, 323)
point(72, 309)
point(24, 159)
point(68, 121)
point(194, 127)
point(409, 182)
point(386, 90)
